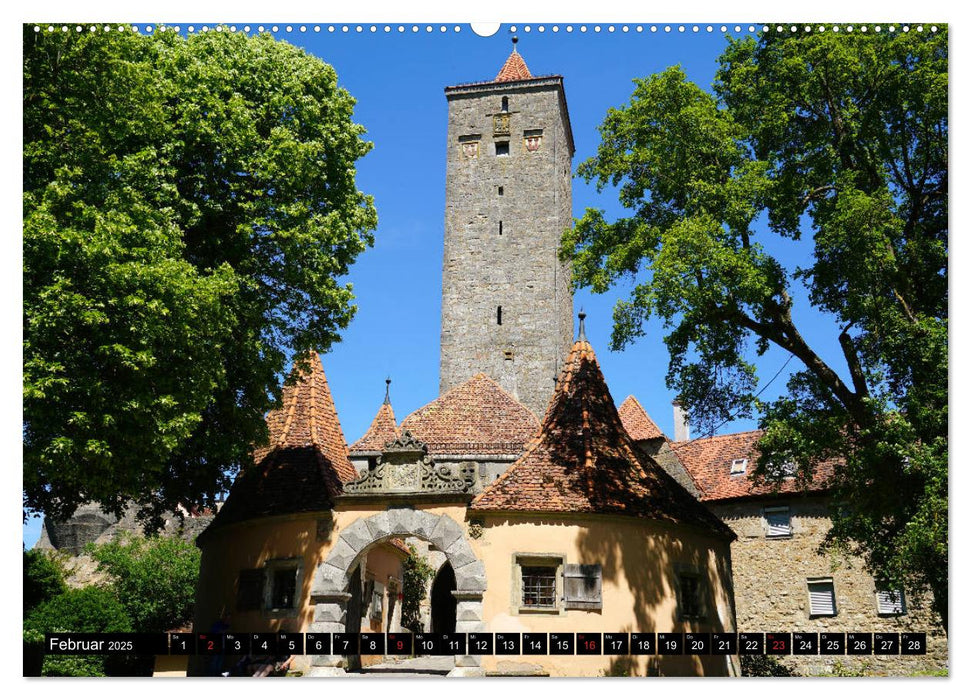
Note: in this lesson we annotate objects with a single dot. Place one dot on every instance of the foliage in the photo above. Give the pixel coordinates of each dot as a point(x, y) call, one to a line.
point(831, 147)
point(154, 579)
point(416, 573)
point(764, 666)
point(189, 208)
point(88, 609)
point(43, 578)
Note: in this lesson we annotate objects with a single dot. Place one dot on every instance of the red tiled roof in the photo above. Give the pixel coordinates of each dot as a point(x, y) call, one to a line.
point(383, 430)
point(583, 460)
point(306, 461)
point(636, 421)
point(308, 418)
point(513, 69)
point(477, 417)
point(709, 462)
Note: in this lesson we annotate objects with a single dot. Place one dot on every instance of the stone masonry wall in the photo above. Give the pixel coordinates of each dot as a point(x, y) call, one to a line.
point(517, 270)
point(771, 593)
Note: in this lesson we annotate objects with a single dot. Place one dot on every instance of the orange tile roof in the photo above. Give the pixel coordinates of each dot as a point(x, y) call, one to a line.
point(513, 69)
point(709, 462)
point(477, 417)
point(583, 461)
point(306, 461)
point(383, 430)
point(636, 421)
point(308, 418)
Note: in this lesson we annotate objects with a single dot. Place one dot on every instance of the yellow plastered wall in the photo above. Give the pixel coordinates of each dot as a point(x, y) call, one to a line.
point(639, 558)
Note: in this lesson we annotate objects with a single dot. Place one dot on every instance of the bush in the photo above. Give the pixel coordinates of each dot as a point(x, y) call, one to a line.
point(154, 579)
point(765, 666)
point(89, 609)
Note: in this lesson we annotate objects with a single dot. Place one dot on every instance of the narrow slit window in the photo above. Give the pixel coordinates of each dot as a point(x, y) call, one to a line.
point(500, 228)
point(500, 190)
point(498, 315)
point(505, 104)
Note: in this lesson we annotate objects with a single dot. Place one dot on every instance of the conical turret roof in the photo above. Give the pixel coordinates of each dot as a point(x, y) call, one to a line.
point(306, 462)
point(583, 461)
point(383, 430)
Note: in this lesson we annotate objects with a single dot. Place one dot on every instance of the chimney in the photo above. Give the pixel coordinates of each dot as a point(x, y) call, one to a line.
point(682, 432)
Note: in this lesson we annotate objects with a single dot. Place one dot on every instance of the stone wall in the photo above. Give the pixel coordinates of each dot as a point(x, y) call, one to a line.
point(771, 593)
point(516, 269)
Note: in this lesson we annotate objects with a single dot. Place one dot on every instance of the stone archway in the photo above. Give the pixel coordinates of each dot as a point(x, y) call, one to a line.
point(329, 590)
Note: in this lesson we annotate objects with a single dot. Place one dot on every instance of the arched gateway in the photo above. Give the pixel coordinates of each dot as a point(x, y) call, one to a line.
point(329, 591)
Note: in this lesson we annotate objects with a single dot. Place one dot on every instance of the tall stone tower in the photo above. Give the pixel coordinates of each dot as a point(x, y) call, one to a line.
point(507, 308)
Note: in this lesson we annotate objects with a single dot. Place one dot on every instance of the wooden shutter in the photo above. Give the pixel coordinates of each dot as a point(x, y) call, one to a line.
point(890, 603)
point(249, 592)
point(582, 586)
point(778, 522)
point(822, 598)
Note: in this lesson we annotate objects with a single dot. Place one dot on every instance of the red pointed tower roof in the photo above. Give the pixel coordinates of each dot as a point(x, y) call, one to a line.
point(306, 462)
point(383, 428)
point(583, 461)
point(513, 69)
point(636, 421)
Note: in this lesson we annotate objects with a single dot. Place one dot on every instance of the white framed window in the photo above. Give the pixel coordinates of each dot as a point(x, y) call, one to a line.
point(822, 597)
point(891, 602)
point(778, 522)
point(739, 466)
point(789, 470)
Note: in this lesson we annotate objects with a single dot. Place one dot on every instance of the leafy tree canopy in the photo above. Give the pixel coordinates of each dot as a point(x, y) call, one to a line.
point(88, 609)
point(189, 209)
point(43, 578)
point(154, 579)
point(841, 138)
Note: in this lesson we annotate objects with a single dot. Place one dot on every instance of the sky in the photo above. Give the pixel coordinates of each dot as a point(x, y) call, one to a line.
point(398, 79)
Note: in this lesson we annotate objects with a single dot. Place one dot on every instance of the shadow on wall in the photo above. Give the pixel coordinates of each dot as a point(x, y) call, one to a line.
point(649, 565)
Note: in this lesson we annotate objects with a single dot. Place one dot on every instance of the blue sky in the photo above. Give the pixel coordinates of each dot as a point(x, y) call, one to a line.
point(398, 80)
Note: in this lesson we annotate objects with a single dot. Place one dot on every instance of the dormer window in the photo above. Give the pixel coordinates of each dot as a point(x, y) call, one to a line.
point(739, 466)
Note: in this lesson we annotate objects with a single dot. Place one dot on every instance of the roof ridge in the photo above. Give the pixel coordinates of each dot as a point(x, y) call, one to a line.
point(723, 436)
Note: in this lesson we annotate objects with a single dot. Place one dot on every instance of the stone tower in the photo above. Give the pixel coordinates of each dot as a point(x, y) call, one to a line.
point(507, 308)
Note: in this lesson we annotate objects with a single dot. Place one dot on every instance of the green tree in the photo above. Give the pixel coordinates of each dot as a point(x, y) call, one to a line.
point(415, 573)
point(841, 138)
point(189, 209)
point(88, 609)
point(153, 578)
point(43, 578)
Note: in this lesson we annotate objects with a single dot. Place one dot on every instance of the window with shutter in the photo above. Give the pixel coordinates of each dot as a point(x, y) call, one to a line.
point(891, 603)
point(249, 592)
point(778, 523)
point(822, 597)
point(582, 586)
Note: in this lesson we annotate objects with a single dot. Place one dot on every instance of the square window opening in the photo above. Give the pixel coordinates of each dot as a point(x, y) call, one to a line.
point(502, 148)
